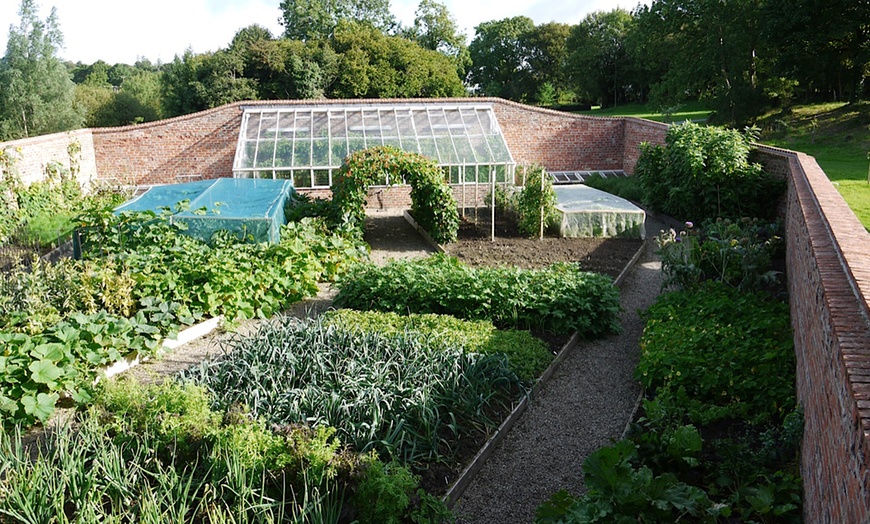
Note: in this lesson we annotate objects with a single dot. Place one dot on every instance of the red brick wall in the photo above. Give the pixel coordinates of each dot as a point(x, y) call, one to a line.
point(560, 141)
point(639, 131)
point(157, 152)
point(828, 259)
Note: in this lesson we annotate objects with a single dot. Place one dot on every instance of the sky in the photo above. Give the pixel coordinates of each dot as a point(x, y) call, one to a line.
point(158, 30)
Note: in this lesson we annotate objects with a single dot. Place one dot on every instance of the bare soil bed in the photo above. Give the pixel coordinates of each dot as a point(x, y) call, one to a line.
point(608, 256)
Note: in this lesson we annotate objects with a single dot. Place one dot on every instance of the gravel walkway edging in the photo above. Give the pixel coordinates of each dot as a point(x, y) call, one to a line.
point(586, 404)
point(461, 484)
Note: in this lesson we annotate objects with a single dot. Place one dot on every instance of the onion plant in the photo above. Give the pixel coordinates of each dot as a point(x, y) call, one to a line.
point(396, 394)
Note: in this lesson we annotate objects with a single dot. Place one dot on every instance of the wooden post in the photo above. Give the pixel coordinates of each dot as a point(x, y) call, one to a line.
point(542, 204)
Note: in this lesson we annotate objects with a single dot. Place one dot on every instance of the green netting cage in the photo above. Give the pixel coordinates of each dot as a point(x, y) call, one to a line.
point(244, 206)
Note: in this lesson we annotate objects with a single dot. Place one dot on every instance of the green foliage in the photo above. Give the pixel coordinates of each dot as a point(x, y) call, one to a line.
point(727, 350)
point(162, 448)
point(559, 299)
point(498, 56)
point(432, 202)
point(230, 278)
point(374, 65)
point(397, 394)
point(36, 297)
point(36, 369)
point(620, 491)
point(536, 203)
point(598, 64)
point(736, 253)
point(318, 19)
point(704, 173)
point(527, 355)
point(719, 436)
point(36, 93)
point(627, 187)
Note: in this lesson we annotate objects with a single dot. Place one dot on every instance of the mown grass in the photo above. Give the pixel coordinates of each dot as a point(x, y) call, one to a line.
point(838, 136)
point(693, 110)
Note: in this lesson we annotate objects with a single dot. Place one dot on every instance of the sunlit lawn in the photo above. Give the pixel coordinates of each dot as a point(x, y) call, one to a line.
point(840, 146)
point(687, 111)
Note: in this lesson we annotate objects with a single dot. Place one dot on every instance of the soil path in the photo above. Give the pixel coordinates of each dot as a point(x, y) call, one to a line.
point(585, 405)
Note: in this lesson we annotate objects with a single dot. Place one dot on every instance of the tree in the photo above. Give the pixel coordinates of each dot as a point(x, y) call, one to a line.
point(318, 19)
point(547, 51)
point(197, 82)
point(374, 65)
point(597, 63)
point(436, 29)
point(499, 57)
point(36, 91)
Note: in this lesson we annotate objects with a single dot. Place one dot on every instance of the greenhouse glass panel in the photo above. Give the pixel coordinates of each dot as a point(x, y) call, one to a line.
point(304, 139)
point(320, 150)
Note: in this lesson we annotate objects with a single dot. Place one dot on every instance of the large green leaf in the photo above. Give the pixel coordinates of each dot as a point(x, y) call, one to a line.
point(41, 406)
point(52, 352)
point(45, 372)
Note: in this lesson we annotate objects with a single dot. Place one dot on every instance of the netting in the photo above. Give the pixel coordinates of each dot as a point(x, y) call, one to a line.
point(244, 206)
point(590, 212)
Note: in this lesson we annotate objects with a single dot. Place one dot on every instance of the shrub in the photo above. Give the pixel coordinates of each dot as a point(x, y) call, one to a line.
point(536, 203)
point(559, 299)
point(704, 172)
point(527, 355)
point(627, 187)
point(229, 277)
point(737, 253)
point(725, 348)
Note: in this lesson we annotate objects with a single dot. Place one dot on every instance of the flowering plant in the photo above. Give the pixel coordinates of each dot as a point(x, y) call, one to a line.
point(735, 252)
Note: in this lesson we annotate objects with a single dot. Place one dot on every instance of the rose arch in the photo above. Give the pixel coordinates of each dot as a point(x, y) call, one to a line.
point(432, 203)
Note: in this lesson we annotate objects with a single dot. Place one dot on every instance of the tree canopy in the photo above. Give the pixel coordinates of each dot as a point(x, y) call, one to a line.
point(36, 91)
point(743, 57)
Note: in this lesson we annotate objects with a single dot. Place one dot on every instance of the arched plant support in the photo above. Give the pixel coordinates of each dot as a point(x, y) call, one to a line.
point(432, 201)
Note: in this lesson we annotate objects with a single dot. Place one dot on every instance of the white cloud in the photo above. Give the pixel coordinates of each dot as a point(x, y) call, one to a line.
point(116, 31)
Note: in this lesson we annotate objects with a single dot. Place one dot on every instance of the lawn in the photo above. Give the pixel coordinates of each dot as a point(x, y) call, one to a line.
point(837, 135)
point(693, 110)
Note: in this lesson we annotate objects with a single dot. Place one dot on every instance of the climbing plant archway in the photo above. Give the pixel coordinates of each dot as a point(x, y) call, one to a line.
point(432, 203)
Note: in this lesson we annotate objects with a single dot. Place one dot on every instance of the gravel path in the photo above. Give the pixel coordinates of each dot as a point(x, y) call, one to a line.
point(585, 405)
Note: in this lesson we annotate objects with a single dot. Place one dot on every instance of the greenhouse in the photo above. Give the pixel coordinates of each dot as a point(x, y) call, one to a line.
point(307, 144)
point(253, 208)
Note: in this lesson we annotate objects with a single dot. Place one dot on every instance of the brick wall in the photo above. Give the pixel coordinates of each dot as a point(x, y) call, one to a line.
point(35, 153)
point(828, 260)
point(827, 248)
point(202, 144)
point(637, 132)
point(560, 141)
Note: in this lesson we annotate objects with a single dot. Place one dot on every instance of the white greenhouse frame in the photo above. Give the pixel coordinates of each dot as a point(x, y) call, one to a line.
point(307, 144)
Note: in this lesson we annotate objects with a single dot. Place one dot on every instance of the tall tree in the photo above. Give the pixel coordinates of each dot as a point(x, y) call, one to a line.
point(547, 51)
point(435, 29)
point(597, 63)
point(500, 65)
point(374, 65)
point(36, 91)
point(318, 19)
point(710, 48)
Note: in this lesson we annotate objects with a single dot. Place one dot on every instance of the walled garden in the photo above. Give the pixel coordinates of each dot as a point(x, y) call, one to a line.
point(353, 415)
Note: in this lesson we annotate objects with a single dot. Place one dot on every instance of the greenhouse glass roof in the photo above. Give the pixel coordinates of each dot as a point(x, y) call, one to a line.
point(307, 143)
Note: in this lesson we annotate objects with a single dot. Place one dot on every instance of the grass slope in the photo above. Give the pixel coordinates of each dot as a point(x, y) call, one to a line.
point(695, 111)
point(838, 136)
